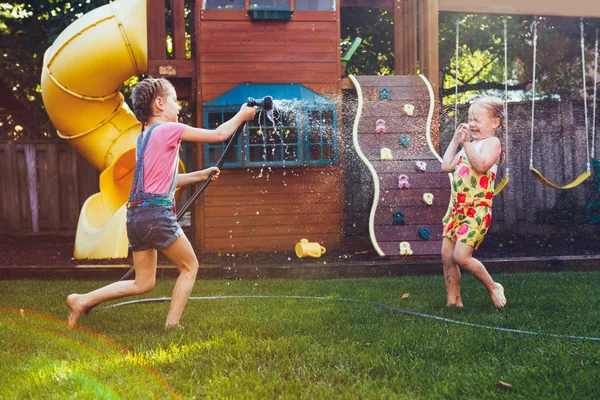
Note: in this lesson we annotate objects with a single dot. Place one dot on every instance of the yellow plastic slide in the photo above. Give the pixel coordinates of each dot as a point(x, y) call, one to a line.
point(81, 80)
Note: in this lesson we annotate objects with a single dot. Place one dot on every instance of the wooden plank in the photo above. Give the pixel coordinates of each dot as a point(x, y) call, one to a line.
point(402, 198)
point(267, 243)
point(381, 109)
point(400, 80)
point(155, 16)
point(406, 94)
point(4, 189)
point(419, 248)
point(234, 28)
point(417, 215)
point(417, 181)
point(282, 209)
point(296, 230)
point(277, 38)
point(374, 154)
point(54, 185)
point(272, 57)
point(268, 73)
point(389, 233)
point(293, 47)
point(395, 124)
point(12, 198)
point(72, 189)
point(22, 193)
point(219, 199)
point(258, 220)
point(178, 29)
point(386, 5)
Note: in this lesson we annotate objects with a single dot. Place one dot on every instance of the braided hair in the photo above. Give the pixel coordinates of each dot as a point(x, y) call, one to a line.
point(144, 94)
point(494, 106)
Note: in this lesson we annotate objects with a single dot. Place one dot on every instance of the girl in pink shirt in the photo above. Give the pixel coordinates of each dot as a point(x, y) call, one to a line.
point(151, 220)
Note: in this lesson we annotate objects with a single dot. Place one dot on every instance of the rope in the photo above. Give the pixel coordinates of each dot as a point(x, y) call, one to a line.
point(506, 97)
point(456, 76)
point(593, 153)
point(534, 27)
point(585, 109)
point(356, 301)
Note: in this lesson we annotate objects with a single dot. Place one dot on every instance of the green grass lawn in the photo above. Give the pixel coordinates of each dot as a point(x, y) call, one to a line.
point(306, 348)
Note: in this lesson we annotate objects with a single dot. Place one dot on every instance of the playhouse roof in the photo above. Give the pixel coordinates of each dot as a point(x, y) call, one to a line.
point(279, 91)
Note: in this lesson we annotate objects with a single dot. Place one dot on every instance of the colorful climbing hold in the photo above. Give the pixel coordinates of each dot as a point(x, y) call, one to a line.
point(403, 182)
point(405, 249)
point(404, 141)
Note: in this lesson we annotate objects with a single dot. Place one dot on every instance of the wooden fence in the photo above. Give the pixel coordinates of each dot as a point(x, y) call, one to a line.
point(559, 153)
point(64, 181)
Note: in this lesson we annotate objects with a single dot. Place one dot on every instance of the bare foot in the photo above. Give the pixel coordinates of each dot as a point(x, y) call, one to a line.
point(456, 302)
point(76, 309)
point(497, 295)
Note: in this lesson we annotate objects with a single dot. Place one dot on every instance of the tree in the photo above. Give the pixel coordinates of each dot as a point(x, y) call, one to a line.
point(27, 29)
point(375, 56)
point(481, 56)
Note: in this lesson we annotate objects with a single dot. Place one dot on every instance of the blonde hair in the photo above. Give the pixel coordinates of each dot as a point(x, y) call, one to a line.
point(494, 107)
point(144, 94)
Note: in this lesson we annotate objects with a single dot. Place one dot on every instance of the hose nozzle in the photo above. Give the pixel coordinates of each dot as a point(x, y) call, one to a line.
point(266, 102)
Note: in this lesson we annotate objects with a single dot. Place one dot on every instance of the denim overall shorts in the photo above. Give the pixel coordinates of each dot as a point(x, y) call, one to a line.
point(151, 219)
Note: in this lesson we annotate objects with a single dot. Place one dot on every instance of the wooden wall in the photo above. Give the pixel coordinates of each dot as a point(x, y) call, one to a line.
point(241, 212)
point(246, 213)
point(403, 90)
point(65, 181)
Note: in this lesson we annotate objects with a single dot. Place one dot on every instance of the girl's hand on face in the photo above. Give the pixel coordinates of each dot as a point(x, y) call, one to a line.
point(462, 134)
point(248, 112)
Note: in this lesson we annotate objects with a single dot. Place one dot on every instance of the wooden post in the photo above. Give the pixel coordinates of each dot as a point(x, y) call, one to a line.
point(155, 17)
point(178, 29)
point(197, 219)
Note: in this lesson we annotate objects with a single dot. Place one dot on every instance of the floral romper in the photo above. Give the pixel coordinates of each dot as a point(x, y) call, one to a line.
point(470, 210)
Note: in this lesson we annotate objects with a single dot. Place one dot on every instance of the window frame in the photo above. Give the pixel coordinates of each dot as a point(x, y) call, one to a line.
point(303, 142)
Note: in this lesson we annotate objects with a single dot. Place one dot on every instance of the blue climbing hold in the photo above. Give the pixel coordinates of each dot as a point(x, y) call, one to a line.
point(384, 94)
point(398, 218)
point(404, 141)
point(424, 233)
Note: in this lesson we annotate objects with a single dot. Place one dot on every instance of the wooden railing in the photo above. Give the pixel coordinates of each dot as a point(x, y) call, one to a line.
point(177, 64)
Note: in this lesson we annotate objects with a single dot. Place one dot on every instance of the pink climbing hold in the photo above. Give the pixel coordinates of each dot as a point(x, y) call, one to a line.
point(380, 126)
point(403, 182)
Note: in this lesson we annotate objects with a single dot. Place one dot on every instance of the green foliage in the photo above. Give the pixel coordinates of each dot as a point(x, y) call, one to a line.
point(307, 348)
point(375, 56)
point(481, 56)
point(26, 31)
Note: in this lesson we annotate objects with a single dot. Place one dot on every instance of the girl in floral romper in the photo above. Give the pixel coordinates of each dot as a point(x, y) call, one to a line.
point(470, 210)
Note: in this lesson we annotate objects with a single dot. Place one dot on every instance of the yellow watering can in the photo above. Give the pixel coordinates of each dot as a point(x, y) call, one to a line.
point(304, 248)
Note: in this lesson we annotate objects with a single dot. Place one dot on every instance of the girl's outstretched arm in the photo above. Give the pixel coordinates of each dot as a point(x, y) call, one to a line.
point(197, 176)
point(223, 132)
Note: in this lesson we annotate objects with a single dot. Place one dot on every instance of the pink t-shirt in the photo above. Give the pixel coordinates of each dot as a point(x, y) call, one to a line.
point(160, 155)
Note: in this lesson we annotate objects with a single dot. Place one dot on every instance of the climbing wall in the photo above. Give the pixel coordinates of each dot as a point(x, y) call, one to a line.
point(392, 137)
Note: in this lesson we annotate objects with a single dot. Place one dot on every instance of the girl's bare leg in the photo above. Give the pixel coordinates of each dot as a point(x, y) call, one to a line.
point(145, 278)
point(463, 256)
point(451, 274)
point(181, 254)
